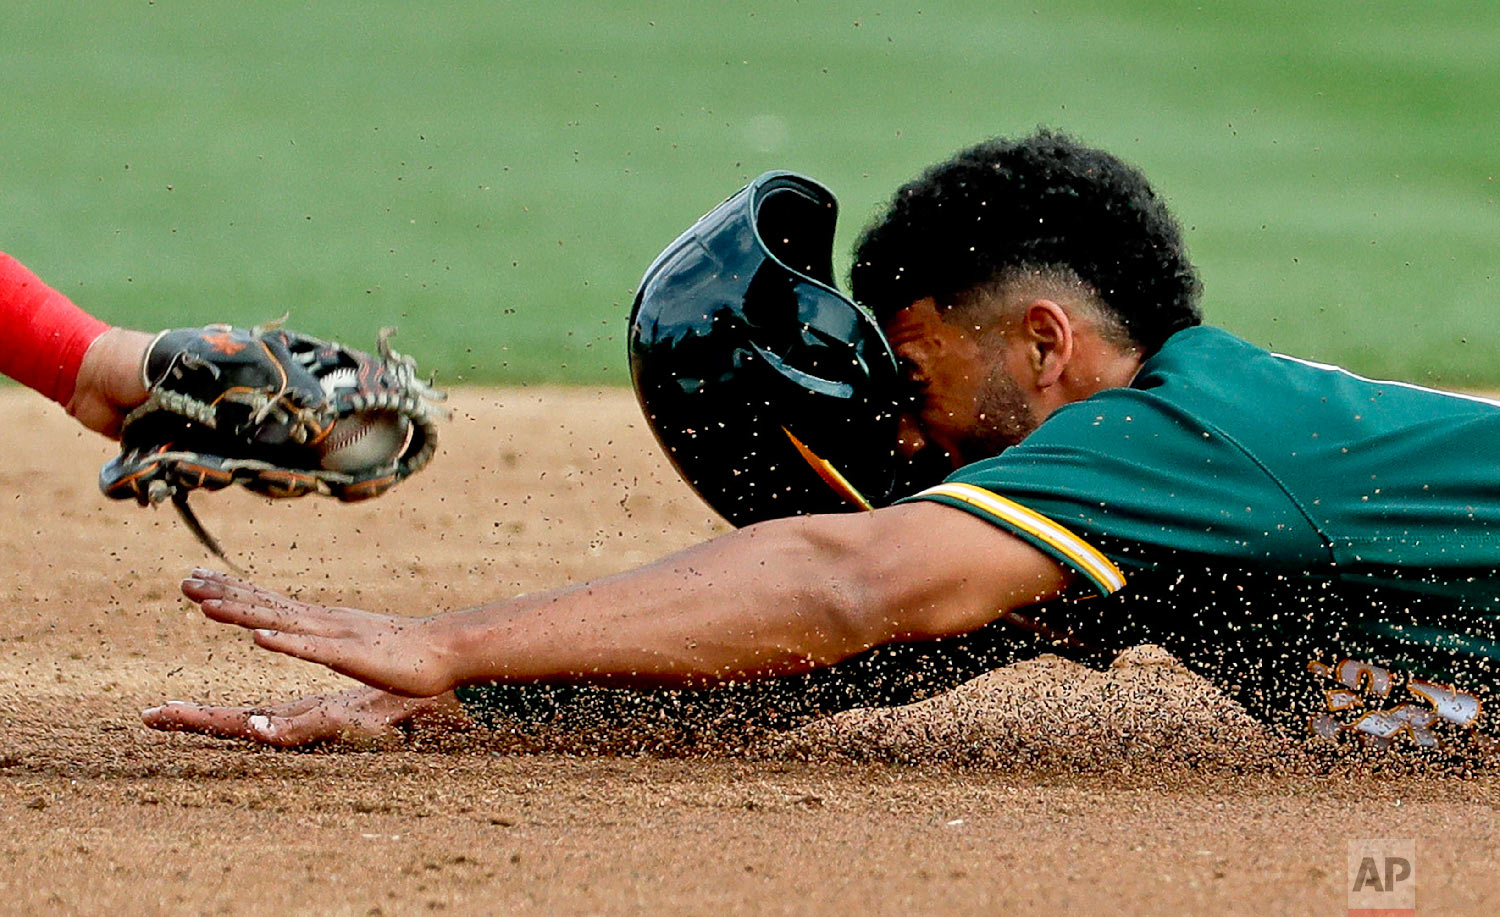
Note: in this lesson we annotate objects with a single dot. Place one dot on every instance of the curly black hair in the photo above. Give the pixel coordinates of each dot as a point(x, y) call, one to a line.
point(1043, 203)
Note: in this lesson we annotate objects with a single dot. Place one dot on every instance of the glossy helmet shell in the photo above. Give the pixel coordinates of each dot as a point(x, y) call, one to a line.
point(772, 393)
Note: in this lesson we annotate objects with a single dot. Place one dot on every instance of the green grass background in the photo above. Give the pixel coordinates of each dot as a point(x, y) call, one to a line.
point(493, 177)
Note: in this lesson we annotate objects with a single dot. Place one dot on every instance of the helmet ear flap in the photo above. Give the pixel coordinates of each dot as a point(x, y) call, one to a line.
point(772, 393)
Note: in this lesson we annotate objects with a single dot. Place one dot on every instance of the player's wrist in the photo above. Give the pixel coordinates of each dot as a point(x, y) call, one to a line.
point(108, 382)
point(475, 646)
point(112, 365)
point(451, 651)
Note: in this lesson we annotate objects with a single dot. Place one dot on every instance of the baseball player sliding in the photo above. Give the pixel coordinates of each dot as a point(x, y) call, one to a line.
point(1058, 455)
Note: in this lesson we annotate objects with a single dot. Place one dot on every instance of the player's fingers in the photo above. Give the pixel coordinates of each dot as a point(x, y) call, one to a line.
point(312, 647)
point(228, 586)
point(358, 659)
point(199, 588)
point(255, 616)
point(219, 576)
point(222, 722)
point(299, 706)
point(286, 732)
point(321, 724)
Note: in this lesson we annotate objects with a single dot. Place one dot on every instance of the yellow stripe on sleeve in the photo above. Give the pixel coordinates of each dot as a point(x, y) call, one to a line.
point(1084, 557)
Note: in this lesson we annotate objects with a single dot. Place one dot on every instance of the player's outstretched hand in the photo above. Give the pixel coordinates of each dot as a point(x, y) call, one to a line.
point(359, 716)
point(389, 652)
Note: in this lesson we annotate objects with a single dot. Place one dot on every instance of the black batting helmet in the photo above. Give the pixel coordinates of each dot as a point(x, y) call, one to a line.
point(771, 392)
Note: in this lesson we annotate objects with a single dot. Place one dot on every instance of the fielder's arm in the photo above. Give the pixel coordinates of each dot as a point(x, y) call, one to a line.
point(66, 354)
point(776, 598)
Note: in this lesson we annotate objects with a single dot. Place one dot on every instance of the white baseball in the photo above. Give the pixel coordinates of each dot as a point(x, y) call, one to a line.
point(365, 440)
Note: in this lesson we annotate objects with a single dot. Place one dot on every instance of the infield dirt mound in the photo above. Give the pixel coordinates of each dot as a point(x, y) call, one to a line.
point(1035, 788)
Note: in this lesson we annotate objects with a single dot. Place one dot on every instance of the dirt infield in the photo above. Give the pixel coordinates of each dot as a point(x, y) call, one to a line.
point(1037, 788)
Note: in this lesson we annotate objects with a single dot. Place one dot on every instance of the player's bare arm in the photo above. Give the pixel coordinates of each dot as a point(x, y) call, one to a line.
point(773, 599)
point(109, 380)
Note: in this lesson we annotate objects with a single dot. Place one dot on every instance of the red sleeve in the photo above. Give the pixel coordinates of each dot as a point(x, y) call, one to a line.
point(43, 336)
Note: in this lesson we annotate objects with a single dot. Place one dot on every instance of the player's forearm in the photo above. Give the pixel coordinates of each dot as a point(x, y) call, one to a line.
point(773, 599)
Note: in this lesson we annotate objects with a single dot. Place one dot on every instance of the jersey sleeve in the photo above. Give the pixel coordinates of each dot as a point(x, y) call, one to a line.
point(44, 335)
point(1126, 479)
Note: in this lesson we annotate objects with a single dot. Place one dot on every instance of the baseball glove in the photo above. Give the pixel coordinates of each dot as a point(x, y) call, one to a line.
point(281, 413)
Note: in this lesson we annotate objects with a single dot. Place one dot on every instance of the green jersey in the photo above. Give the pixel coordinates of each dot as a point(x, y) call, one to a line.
point(1322, 545)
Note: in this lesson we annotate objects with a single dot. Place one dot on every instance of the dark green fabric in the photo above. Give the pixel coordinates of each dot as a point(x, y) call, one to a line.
point(1267, 510)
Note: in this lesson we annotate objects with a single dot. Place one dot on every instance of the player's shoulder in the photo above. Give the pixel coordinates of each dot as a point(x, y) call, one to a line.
point(1207, 365)
point(1199, 374)
point(1227, 382)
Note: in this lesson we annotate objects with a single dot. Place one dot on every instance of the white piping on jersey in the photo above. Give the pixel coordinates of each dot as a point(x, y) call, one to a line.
point(1418, 388)
point(1083, 556)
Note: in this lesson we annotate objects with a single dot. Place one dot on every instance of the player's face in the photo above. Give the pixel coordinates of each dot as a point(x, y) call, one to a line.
point(965, 401)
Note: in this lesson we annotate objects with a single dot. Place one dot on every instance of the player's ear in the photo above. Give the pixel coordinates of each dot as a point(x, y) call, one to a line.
point(1049, 339)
